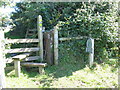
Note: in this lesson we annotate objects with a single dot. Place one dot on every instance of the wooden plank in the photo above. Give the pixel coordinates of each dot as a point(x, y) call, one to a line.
point(31, 58)
point(72, 38)
point(9, 68)
point(34, 64)
point(40, 36)
point(55, 46)
point(21, 56)
point(21, 41)
point(81, 37)
point(18, 50)
point(17, 68)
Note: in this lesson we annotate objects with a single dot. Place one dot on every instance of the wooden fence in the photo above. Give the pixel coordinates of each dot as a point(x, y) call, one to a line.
point(47, 48)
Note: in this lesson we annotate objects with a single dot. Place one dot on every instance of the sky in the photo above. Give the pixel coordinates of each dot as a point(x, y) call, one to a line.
point(8, 9)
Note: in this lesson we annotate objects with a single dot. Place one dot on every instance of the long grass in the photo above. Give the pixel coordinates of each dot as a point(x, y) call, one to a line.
point(67, 75)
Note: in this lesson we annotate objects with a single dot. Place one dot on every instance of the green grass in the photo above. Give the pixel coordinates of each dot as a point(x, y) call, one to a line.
point(68, 75)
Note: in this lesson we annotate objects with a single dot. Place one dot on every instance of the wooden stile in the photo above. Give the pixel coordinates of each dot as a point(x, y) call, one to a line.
point(17, 60)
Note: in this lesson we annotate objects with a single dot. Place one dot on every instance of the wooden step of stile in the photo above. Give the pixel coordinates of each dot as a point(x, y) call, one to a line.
point(21, 56)
point(30, 64)
point(40, 65)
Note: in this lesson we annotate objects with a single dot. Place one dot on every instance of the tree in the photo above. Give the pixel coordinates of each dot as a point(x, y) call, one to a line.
point(84, 18)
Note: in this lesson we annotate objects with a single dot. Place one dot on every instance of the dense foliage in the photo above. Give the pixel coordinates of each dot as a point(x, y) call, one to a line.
point(74, 19)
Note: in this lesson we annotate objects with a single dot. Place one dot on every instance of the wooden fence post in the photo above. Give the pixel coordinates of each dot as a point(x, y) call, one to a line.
point(91, 55)
point(91, 59)
point(56, 45)
point(90, 49)
point(2, 63)
point(40, 36)
point(17, 68)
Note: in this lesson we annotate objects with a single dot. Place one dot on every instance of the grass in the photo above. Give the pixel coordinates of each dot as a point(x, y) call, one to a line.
point(67, 75)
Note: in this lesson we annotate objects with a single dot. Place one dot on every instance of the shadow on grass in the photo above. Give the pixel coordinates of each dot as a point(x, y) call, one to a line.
point(30, 71)
point(61, 70)
point(64, 69)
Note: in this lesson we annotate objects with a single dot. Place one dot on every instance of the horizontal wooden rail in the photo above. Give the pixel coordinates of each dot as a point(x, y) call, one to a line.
point(9, 68)
point(19, 50)
point(72, 38)
point(21, 41)
point(34, 64)
point(81, 37)
point(21, 56)
point(31, 58)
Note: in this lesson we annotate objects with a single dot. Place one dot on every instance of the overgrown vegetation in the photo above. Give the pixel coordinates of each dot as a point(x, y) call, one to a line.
point(68, 75)
point(74, 19)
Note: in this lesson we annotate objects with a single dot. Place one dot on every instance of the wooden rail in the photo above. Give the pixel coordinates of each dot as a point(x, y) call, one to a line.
point(12, 41)
point(21, 56)
point(31, 58)
point(71, 38)
point(19, 50)
point(34, 64)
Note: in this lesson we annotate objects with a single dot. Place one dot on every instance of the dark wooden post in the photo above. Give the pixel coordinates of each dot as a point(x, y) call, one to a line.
point(48, 47)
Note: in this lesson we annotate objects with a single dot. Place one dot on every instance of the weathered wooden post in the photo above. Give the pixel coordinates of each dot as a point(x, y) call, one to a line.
point(17, 68)
point(48, 47)
point(90, 50)
point(2, 62)
point(56, 45)
point(40, 36)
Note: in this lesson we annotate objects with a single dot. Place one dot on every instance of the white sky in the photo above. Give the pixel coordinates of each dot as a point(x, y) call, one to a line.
point(8, 9)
